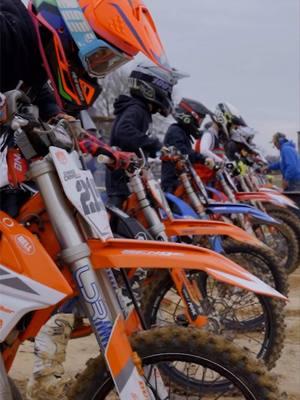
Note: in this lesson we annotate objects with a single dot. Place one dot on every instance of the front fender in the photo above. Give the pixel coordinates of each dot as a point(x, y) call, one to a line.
point(281, 198)
point(186, 227)
point(229, 208)
point(184, 209)
point(267, 197)
point(123, 253)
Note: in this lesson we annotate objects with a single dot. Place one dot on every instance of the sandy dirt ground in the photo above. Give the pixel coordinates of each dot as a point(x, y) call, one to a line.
point(287, 370)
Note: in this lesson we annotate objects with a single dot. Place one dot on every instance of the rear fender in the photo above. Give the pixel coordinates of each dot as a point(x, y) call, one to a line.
point(123, 253)
point(29, 279)
point(226, 208)
point(186, 227)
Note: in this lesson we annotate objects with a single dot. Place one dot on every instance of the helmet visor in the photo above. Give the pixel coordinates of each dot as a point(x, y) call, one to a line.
point(103, 60)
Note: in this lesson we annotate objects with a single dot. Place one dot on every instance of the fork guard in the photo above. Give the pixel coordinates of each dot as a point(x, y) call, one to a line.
point(124, 253)
point(186, 227)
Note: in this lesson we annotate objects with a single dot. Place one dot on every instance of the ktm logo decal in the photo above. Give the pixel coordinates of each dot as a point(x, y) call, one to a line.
point(25, 244)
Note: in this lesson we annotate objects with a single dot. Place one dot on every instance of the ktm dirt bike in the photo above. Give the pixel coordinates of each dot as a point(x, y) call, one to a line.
point(73, 254)
point(273, 202)
point(287, 233)
point(239, 313)
point(277, 235)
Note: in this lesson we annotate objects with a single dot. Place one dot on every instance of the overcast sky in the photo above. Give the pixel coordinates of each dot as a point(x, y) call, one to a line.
point(242, 51)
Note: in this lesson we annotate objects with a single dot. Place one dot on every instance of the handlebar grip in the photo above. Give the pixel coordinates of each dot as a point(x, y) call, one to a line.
point(102, 159)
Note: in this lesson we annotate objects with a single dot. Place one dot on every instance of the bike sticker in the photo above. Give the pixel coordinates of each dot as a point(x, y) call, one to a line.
point(25, 244)
point(79, 187)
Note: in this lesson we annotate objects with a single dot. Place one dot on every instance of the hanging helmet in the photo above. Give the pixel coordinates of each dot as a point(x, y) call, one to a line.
point(81, 40)
point(226, 115)
point(153, 84)
point(190, 114)
point(244, 136)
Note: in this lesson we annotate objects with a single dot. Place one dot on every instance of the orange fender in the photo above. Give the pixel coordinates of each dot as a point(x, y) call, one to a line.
point(185, 227)
point(124, 253)
point(254, 196)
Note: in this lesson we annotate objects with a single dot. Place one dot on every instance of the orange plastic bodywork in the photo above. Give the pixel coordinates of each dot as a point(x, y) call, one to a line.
point(153, 255)
point(34, 214)
point(23, 253)
point(252, 196)
point(185, 227)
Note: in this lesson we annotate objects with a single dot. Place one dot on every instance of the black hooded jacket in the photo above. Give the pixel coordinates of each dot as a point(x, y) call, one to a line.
point(178, 137)
point(20, 58)
point(129, 133)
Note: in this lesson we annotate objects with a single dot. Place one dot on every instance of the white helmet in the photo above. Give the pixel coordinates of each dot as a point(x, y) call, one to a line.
point(244, 135)
point(227, 115)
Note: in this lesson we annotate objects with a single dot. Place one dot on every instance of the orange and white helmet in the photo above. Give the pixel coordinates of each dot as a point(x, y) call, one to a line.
point(82, 40)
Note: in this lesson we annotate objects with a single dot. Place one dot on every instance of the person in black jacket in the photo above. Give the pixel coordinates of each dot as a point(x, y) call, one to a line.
point(151, 92)
point(20, 56)
point(189, 115)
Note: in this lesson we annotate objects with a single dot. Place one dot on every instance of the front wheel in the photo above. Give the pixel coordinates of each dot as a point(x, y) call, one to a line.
point(193, 364)
point(250, 320)
point(282, 240)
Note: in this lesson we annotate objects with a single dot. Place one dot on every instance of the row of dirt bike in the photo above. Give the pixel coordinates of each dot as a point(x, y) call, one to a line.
point(185, 292)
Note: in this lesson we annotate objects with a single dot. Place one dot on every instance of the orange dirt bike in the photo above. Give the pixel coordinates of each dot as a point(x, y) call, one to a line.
point(273, 202)
point(72, 253)
point(250, 319)
point(277, 235)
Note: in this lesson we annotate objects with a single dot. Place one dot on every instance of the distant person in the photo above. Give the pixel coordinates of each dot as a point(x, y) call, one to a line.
point(289, 163)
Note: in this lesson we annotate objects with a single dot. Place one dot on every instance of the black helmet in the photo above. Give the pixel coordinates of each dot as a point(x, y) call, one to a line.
point(153, 84)
point(190, 114)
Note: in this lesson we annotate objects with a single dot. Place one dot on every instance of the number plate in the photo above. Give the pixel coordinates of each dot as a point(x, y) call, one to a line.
point(79, 187)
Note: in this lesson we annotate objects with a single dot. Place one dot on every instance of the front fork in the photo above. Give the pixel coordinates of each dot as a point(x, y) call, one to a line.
point(96, 290)
point(189, 293)
point(194, 199)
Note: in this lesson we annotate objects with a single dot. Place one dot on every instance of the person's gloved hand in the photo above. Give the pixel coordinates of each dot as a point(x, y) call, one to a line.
point(123, 159)
point(58, 117)
point(209, 163)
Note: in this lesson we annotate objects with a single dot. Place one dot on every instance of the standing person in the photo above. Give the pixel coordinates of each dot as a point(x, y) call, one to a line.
point(150, 93)
point(71, 44)
point(189, 115)
point(289, 164)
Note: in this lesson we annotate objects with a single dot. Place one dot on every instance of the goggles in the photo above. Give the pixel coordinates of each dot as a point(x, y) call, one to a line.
point(99, 58)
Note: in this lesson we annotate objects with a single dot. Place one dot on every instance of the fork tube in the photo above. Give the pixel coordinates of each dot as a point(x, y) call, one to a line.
point(156, 228)
point(5, 392)
point(97, 294)
point(195, 201)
